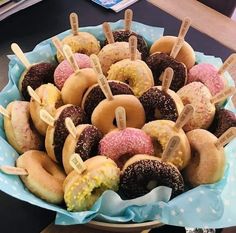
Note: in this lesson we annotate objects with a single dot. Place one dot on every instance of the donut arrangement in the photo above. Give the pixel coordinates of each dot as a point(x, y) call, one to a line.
point(118, 115)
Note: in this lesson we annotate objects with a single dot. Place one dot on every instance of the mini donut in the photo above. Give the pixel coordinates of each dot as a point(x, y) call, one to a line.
point(85, 144)
point(57, 134)
point(207, 164)
point(159, 104)
point(199, 96)
point(104, 114)
point(158, 62)
point(77, 84)
point(136, 73)
point(35, 76)
point(113, 53)
point(161, 131)
point(84, 42)
point(83, 190)
point(165, 45)
point(45, 178)
point(142, 173)
point(122, 144)
point(19, 130)
point(50, 98)
point(94, 95)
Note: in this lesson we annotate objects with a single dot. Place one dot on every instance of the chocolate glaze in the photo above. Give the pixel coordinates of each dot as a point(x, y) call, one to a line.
point(135, 178)
point(142, 47)
point(96, 95)
point(77, 115)
point(87, 144)
point(223, 120)
point(154, 99)
point(158, 62)
point(36, 76)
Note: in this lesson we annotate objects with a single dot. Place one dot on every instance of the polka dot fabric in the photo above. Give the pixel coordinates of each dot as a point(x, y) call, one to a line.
point(207, 206)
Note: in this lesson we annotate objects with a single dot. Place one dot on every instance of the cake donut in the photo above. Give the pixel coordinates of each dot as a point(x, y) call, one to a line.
point(142, 173)
point(94, 95)
point(19, 130)
point(57, 134)
point(50, 100)
point(158, 62)
point(45, 178)
point(81, 191)
point(85, 144)
point(120, 145)
point(161, 131)
point(106, 109)
point(207, 164)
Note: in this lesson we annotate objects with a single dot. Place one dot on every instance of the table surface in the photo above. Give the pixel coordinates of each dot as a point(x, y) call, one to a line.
point(46, 19)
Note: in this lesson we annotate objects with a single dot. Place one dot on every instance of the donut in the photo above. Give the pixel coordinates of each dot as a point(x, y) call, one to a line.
point(158, 62)
point(165, 44)
point(77, 84)
point(94, 95)
point(159, 104)
point(50, 98)
point(142, 173)
point(122, 144)
point(161, 131)
point(57, 134)
point(104, 114)
point(84, 43)
point(199, 96)
point(45, 178)
point(223, 120)
point(85, 144)
point(113, 53)
point(64, 69)
point(136, 73)
point(34, 77)
point(81, 191)
point(207, 164)
point(19, 130)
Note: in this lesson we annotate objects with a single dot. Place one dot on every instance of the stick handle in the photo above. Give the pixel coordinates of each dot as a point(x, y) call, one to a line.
point(230, 61)
point(70, 57)
point(170, 148)
point(177, 46)
point(77, 163)
point(34, 95)
point(167, 79)
point(103, 83)
point(4, 112)
point(58, 45)
point(96, 64)
point(184, 27)
point(226, 137)
point(223, 95)
point(120, 117)
point(128, 19)
point(70, 127)
point(74, 23)
point(46, 117)
point(14, 170)
point(133, 47)
point(108, 32)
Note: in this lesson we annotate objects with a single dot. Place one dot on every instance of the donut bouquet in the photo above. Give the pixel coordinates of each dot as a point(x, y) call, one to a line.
point(119, 123)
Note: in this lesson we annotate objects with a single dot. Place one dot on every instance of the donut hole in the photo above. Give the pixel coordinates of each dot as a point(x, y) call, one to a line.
point(157, 114)
point(158, 150)
point(47, 169)
point(195, 157)
point(114, 122)
point(129, 82)
point(152, 184)
point(123, 159)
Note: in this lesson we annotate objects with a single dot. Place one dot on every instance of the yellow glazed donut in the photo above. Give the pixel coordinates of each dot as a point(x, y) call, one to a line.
point(82, 190)
point(136, 73)
point(161, 131)
point(50, 98)
point(45, 178)
point(207, 164)
point(18, 128)
point(104, 114)
point(77, 84)
point(165, 45)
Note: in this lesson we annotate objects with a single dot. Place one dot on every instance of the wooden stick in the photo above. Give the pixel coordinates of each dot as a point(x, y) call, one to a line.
point(184, 27)
point(177, 46)
point(229, 62)
point(4, 112)
point(226, 137)
point(128, 19)
point(77, 163)
point(170, 148)
point(46, 117)
point(74, 23)
point(58, 45)
point(108, 33)
point(70, 57)
point(103, 83)
point(71, 127)
point(14, 170)
point(21, 56)
point(223, 95)
point(120, 117)
point(167, 79)
point(133, 47)
point(96, 64)
point(34, 95)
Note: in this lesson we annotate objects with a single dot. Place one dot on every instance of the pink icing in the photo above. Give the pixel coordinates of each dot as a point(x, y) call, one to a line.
point(64, 70)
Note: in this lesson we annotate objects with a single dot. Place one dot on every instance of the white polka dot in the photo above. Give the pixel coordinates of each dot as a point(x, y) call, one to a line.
point(173, 213)
point(227, 202)
point(181, 210)
point(202, 192)
point(198, 210)
point(180, 223)
point(190, 199)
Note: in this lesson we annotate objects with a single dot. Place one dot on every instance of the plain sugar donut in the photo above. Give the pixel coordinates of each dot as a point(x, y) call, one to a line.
point(45, 178)
point(104, 114)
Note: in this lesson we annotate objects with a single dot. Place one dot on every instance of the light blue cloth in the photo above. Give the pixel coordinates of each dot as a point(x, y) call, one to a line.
point(204, 206)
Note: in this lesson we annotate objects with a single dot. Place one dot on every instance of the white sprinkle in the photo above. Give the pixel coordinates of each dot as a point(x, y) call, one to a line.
point(181, 210)
point(198, 210)
point(190, 199)
point(173, 213)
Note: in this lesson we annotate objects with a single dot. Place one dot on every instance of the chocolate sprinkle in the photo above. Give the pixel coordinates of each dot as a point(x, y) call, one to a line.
point(87, 144)
point(158, 62)
point(37, 75)
point(77, 115)
point(135, 178)
point(154, 99)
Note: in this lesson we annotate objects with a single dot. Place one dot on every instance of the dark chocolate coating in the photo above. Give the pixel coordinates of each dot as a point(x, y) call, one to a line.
point(87, 144)
point(96, 95)
point(154, 99)
point(142, 47)
point(135, 178)
point(37, 75)
point(158, 62)
point(77, 115)
point(223, 120)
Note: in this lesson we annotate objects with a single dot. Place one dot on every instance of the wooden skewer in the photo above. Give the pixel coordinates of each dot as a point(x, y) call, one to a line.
point(74, 23)
point(71, 127)
point(4, 112)
point(133, 47)
point(167, 79)
point(58, 44)
point(229, 62)
point(77, 163)
point(128, 19)
point(226, 137)
point(108, 33)
point(223, 95)
point(120, 117)
point(34, 95)
point(70, 57)
point(14, 170)
point(46, 117)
